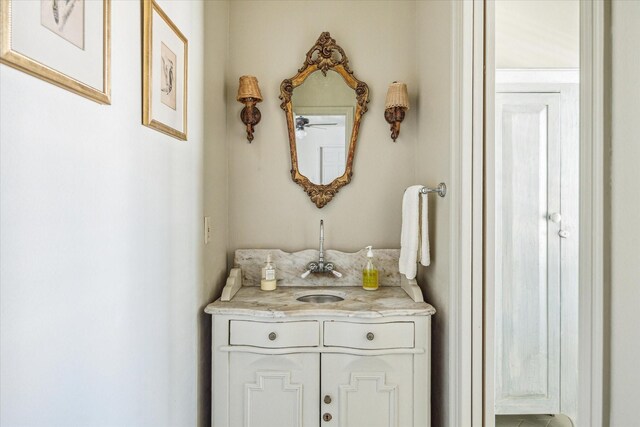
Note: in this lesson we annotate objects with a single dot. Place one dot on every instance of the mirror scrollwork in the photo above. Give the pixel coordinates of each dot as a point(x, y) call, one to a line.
point(324, 103)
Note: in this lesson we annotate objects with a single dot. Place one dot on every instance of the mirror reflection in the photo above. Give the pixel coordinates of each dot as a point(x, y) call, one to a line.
point(323, 108)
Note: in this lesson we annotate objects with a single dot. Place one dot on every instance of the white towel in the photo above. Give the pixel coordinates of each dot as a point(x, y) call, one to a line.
point(414, 239)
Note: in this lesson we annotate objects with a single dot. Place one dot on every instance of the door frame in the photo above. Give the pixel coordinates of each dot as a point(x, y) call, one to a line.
point(471, 329)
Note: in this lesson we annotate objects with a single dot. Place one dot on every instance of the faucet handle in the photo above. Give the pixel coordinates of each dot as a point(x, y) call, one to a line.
point(305, 274)
point(336, 273)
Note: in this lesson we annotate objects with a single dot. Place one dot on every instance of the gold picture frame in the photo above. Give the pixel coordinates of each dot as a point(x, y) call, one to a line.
point(30, 64)
point(165, 99)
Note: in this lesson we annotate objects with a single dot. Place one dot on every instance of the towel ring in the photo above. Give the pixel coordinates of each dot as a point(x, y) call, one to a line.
point(441, 189)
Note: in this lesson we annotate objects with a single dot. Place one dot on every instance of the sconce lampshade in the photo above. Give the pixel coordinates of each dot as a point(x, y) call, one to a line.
point(395, 106)
point(397, 96)
point(249, 89)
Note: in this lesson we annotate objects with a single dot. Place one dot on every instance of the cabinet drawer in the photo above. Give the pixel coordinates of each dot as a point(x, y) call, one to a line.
point(274, 335)
point(369, 336)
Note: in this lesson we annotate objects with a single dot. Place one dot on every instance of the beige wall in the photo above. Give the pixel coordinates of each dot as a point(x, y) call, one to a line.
point(101, 267)
point(215, 186)
point(319, 90)
point(433, 166)
point(537, 34)
point(625, 227)
point(267, 209)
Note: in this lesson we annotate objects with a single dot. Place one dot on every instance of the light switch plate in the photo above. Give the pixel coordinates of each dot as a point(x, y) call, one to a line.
point(207, 229)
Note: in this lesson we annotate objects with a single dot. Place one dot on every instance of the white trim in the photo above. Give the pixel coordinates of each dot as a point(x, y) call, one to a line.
point(538, 75)
point(477, 97)
point(323, 350)
point(460, 194)
point(592, 205)
point(485, 155)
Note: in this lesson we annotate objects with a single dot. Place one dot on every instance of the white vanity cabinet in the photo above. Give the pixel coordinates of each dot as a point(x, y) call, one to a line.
point(321, 371)
point(283, 359)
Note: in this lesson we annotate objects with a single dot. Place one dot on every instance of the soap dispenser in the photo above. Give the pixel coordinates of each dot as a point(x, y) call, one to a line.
point(370, 273)
point(268, 280)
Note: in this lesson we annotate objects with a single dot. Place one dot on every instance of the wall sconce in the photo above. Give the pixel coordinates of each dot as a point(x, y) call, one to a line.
point(395, 106)
point(249, 94)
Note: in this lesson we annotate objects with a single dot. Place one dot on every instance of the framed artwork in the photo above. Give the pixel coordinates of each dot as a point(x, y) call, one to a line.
point(164, 73)
point(64, 42)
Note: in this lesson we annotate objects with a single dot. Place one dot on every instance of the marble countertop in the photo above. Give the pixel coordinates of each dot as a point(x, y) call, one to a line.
point(290, 265)
point(384, 302)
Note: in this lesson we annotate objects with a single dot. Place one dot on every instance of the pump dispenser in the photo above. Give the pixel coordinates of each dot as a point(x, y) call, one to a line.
point(268, 282)
point(370, 273)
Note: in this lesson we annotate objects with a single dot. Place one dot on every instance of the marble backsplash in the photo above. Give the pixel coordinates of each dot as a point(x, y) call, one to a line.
point(290, 266)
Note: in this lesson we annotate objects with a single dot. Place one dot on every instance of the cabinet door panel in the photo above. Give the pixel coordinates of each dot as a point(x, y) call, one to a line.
point(274, 390)
point(371, 391)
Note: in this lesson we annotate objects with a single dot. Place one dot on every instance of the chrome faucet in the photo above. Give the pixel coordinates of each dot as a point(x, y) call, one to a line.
point(320, 266)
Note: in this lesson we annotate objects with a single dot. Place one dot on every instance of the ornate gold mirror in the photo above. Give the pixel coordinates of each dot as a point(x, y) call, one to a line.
point(324, 104)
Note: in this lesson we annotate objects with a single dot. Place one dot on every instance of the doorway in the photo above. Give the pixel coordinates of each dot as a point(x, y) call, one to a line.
point(531, 207)
point(533, 271)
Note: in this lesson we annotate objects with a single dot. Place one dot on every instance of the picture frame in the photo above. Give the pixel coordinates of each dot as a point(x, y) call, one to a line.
point(164, 73)
point(65, 43)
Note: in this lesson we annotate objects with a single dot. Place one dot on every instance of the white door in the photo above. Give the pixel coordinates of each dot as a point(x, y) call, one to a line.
point(332, 160)
point(274, 390)
point(527, 258)
point(367, 391)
